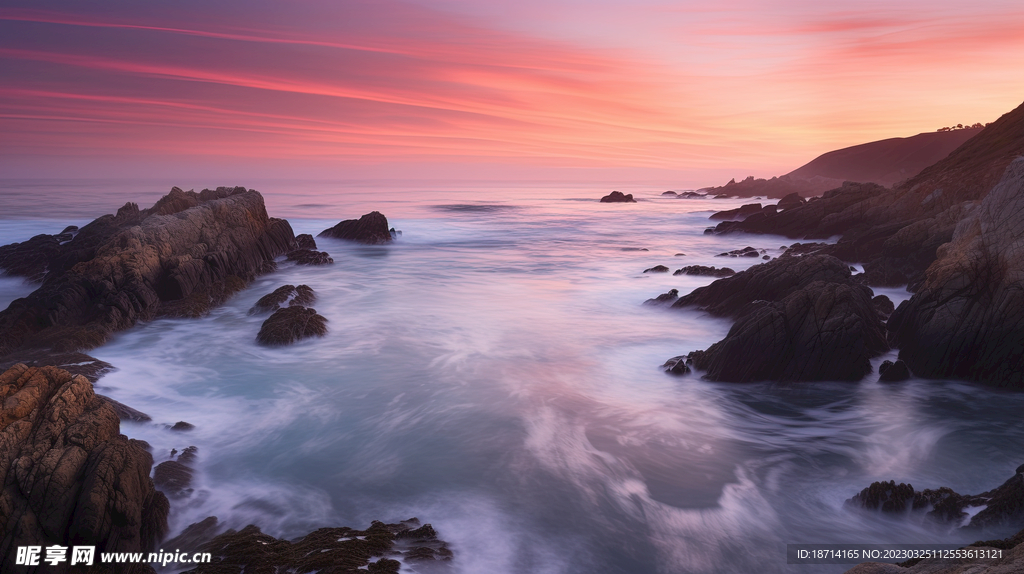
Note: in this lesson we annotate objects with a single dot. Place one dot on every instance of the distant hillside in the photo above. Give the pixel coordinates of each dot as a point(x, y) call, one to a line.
point(885, 162)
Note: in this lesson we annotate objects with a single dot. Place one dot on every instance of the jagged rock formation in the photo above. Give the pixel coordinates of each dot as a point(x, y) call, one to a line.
point(967, 319)
point(1002, 506)
point(797, 319)
point(327, 550)
point(656, 269)
point(309, 257)
point(371, 228)
point(290, 324)
point(187, 253)
point(618, 197)
point(174, 477)
point(704, 270)
point(897, 232)
point(302, 295)
point(68, 476)
point(738, 214)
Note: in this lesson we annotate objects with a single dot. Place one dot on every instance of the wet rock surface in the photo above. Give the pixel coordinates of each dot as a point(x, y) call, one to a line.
point(174, 477)
point(179, 258)
point(967, 319)
point(290, 324)
point(68, 476)
point(618, 197)
point(302, 295)
point(664, 299)
point(738, 214)
point(371, 229)
point(657, 269)
point(891, 372)
point(327, 550)
point(705, 271)
point(1000, 506)
point(309, 257)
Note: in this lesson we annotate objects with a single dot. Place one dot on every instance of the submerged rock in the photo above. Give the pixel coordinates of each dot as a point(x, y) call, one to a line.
point(677, 366)
point(290, 324)
point(705, 271)
point(618, 197)
point(309, 257)
point(174, 477)
point(664, 298)
point(657, 269)
point(302, 295)
point(327, 550)
point(1000, 506)
point(740, 213)
point(371, 229)
point(892, 372)
point(69, 476)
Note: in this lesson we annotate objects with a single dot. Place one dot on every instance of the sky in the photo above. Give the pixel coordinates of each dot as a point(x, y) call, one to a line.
point(679, 94)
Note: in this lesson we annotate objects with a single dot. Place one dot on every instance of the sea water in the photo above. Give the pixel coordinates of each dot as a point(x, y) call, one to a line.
point(493, 372)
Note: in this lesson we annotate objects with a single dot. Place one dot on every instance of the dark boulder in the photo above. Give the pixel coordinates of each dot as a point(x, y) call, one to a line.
point(618, 197)
point(790, 201)
point(327, 550)
point(309, 257)
point(174, 477)
point(126, 413)
point(290, 324)
point(657, 269)
point(1003, 505)
point(884, 306)
point(302, 295)
point(892, 372)
point(672, 193)
point(747, 251)
point(305, 241)
point(740, 213)
point(371, 229)
point(186, 254)
point(664, 298)
point(770, 281)
point(69, 477)
point(704, 270)
point(967, 319)
point(677, 366)
point(30, 259)
point(819, 332)
point(182, 426)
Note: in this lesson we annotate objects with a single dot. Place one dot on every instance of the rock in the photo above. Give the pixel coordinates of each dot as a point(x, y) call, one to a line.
point(672, 193)
point(126, 413)
point(174, 477)
point(290, 324)
point(635, 249)
point(181, 426)
point(705, 271)
point(891, 372)
point(31, 258)
point(676, 366)
point(371, 229)
point(309, 257)
point(302, 295)
point(657, 269)
point(69, 477)
point(680, 255)
point(790, 201)
point(395, 233)
point(618, 197)
point(664, 298)
point(302, 241)
point(747, 251)
point(967, 319)
point(766, 257)
point(327, 550)
point(770, 281)
point(740, 213)
point(195, 534)
point(819, 332)
point(1003, 505)
point(884, 306)
point(73, 362)
point(187, 253)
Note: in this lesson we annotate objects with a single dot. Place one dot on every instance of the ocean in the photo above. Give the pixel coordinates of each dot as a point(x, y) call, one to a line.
point(493, 372)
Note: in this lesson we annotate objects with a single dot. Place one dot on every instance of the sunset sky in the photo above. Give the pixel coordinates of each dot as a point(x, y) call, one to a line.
point(684, 93)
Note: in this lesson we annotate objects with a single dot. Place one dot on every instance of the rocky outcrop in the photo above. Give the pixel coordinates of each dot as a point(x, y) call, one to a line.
point(187, 253)
point(1010, 561)
point(771, 281)
point(891, 372)
point(290, 324)
point(896, 232)
point(705, 271)
point(819, 332)
point(967, 319)
point(371, 229)
point(302, 295)
point(790, 201)
point(618, 197)
point(998, 507)
point(664, 299)
point(68, 476)
point(738, 214)
point(656, 269)
point(174, 477)
point(309, 257)
point(327, 550)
